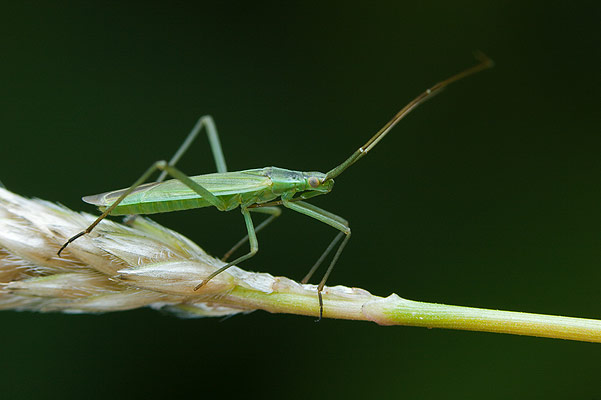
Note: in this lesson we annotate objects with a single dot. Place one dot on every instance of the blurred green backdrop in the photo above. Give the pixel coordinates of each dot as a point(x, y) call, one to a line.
point(487, 196)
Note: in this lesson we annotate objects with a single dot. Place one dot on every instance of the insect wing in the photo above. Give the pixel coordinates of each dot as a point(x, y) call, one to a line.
point(218, 184)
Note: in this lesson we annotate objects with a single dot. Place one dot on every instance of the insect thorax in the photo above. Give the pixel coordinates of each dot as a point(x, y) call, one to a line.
point(285, 180)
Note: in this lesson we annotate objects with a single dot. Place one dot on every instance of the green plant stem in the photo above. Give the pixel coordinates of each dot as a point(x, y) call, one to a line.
point(146, 265)
point(394, 310)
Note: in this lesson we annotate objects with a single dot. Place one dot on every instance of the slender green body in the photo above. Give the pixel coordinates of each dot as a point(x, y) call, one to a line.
point(255, 190)
point(242, 188)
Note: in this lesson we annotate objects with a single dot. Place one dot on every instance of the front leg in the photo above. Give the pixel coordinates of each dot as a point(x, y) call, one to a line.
point(327, 218)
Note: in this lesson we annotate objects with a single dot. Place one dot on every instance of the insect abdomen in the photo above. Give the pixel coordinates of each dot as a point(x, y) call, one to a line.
point(158, 206)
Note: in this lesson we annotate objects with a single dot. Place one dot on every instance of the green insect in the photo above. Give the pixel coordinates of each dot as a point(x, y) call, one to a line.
point(259, 190)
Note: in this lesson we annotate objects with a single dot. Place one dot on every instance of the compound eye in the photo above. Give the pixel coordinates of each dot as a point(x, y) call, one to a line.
point(313, 182)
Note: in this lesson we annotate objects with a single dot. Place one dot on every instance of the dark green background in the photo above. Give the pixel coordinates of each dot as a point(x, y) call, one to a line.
point(487, 196)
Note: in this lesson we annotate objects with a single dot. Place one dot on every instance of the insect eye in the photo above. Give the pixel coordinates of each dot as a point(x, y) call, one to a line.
point(313, 182)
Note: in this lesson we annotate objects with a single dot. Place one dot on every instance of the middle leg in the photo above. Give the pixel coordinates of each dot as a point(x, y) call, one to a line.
point(254, 247)
point(273, 212)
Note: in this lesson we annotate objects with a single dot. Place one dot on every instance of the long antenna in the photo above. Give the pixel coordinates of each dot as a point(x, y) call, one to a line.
point(484, 63)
